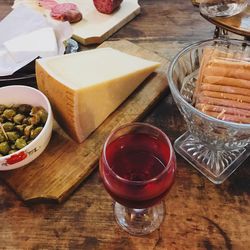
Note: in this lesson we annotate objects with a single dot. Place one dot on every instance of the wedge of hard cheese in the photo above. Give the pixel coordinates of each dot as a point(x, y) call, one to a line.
point(85, 87)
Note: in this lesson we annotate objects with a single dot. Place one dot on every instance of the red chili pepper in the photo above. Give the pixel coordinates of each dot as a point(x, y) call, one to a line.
point(16, 158)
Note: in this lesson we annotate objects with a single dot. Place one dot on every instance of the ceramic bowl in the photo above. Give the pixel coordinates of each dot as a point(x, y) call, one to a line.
point(26, 95)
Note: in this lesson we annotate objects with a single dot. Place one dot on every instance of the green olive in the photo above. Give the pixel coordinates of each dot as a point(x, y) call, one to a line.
point(12, 135)
point(4, 148)
point(35, 132)
point(18, 118)
point(20, 143)
point(9, 114)
point(8, 126)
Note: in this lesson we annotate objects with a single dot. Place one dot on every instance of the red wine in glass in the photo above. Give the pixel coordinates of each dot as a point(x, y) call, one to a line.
point(137, 167)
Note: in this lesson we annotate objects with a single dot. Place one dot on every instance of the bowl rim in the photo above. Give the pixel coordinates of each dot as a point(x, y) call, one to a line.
point(103, 156)
point(44, 130)
point(176, 94)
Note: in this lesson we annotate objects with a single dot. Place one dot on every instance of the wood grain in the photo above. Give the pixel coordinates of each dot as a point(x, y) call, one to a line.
point(64, 164)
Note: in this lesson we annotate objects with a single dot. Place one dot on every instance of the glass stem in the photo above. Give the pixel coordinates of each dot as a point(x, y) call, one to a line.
point(139, 221)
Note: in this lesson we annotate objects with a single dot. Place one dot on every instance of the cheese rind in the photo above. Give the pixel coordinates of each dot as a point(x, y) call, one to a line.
point(86, 87)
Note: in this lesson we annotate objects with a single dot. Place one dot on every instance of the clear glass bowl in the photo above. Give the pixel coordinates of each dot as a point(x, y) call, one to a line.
point(214, 147)
point(222, 8)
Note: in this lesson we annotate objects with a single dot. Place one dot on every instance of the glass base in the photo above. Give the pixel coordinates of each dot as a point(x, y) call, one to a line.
point(139, 221)
point(217, 166)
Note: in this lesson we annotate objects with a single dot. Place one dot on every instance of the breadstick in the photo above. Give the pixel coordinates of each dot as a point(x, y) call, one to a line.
point(227, 110)
point(222, 102)
point(207, 54)
point(226, 117)
point(228, 68)
point(225, 89)
point(234, 97)
point(229, 63)
point(226, 81)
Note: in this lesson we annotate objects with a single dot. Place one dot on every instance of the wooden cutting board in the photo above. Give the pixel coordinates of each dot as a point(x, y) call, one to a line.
point(65, 164)
point(95, 27)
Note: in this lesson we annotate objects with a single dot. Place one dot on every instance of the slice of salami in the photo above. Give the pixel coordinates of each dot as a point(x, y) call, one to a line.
point(66, 12)
point(47, 4)
point(62, 8)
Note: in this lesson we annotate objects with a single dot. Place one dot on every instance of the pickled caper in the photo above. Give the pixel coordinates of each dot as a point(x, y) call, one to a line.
point(27, 130)
point(41, 112)
point(34, 119)
point(24, 137)
point(20, 128)
point(8, 106)
point(2, 108)
point(15, 107)
point(8, 126)
point(2, 119)
point(4, 147)
point(26, 121)
point(12, 135)
point(24, 109)
point(20, 143)
point(34, 110)
point(18, 118)
point(9, 114)
point(43, 115)
point(2, 137)
point(35, 132)
point(20, 124)
point(12, 151)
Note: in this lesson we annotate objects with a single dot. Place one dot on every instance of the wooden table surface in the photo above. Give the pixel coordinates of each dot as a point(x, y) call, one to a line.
point(200, 215)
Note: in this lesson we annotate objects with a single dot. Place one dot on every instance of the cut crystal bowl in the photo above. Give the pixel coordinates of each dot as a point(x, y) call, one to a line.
point(214, 147)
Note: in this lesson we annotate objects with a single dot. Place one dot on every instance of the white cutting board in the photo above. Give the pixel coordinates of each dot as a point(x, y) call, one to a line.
point(95, 27)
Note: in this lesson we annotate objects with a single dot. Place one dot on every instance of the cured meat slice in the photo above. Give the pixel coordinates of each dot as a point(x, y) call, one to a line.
point(107, 6)
point(66, 12)
point(47, 4)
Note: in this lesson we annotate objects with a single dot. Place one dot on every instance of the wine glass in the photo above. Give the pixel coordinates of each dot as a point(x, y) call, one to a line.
point(137, 167)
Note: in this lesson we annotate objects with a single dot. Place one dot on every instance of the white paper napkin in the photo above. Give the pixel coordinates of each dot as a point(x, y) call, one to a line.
point(20, 25)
